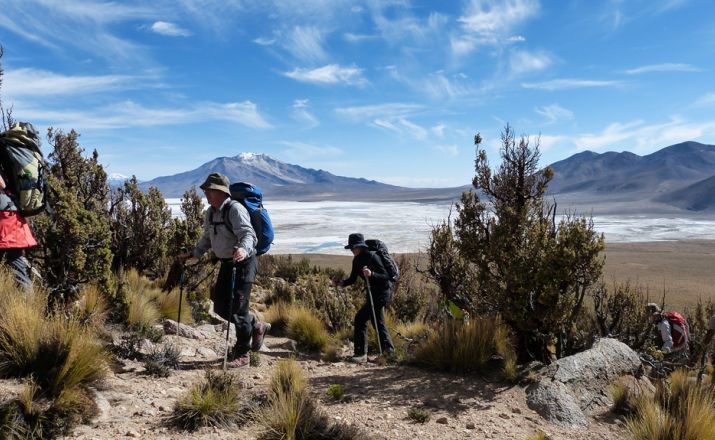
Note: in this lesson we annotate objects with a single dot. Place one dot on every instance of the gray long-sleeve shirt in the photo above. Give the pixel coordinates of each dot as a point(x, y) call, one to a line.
point(222, 238)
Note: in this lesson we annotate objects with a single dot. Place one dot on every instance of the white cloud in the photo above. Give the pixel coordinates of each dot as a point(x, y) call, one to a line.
point(169, 29)
point(27, 82)
point(389, 110)
point(569, 83)
point(302, 114)
point(305, 43)
point(489, 22)
point(705, 100)
point(665, 67)
point(129, 114)
point(450, 150)
point(636, 136)
point(438, 86)
point(262, 41)
point(523, 62)
point(330, 74)
point(554, 113)
point(438, 130)
point(358, 38)
point(302, 150)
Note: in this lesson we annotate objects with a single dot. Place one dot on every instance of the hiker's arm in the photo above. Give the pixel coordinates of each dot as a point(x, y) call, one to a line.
point(666, 336)
point(242, 229)
point(353, 274)
point(2, 183)
point(204, 242)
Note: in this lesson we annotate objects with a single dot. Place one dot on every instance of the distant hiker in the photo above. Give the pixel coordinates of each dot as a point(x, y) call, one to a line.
point(15, 237)
point(234, 246)
point(368, 265)
point(674, 330)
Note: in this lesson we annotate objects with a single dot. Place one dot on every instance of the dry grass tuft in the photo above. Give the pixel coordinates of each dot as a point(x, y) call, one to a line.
point(278, 314)
point(213, 402)
point(307, 330)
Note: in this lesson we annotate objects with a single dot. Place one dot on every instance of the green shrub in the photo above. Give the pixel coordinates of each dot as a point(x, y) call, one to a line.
point(307, 330)
point(212, 402)
point(419, 414)
point(255, 360)
point(335, 390)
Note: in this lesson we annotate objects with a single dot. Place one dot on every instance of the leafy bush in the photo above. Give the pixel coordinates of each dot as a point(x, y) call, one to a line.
point(411, 296)
point(419, 414)
point(506, 254)
point(212, 402)
point(307, 330)
point(620, 312)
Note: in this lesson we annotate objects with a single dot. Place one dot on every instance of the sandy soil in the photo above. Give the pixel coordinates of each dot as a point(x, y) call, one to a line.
point(378, 398)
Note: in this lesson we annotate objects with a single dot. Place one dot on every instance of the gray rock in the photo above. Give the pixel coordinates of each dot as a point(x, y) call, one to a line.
point(206, 352)
point(554, 402)
point(442, 420)
point(170, 327)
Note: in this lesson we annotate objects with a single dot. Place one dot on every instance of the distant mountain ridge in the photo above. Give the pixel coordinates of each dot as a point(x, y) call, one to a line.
point(678, 175)
point(282, 181)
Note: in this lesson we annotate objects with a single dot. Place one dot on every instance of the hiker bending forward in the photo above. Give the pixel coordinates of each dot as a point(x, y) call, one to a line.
point(368, 265)
point(233, 242)
point(15, 237)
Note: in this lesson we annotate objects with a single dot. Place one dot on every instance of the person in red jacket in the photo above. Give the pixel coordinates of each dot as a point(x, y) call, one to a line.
point(15, 237)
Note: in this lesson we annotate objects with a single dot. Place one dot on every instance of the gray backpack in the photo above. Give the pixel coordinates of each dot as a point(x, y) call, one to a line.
point(24, 168)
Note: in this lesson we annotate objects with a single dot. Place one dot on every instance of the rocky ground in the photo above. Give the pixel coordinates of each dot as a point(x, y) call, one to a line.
point(378, 398)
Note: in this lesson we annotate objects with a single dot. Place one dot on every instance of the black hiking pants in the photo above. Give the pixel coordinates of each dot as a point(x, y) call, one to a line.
point(18, 264)
point(239, 313)
point(363, 316)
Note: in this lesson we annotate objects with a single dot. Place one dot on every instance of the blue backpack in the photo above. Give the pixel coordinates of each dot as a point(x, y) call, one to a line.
point(251, 197)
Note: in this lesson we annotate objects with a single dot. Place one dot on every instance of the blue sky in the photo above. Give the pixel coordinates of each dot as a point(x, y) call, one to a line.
point(388, 90)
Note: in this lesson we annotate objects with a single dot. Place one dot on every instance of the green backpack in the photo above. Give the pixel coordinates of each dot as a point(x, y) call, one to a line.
point(24, 168)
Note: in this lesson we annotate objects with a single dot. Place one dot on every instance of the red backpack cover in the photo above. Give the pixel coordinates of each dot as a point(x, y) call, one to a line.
point(675, 318)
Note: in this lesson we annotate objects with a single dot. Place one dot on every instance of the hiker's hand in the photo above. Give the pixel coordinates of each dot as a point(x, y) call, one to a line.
point(366, 272)
point(239, 254)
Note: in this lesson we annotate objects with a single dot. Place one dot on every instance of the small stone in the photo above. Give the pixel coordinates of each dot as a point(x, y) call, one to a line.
point(505, 416)
point(471, 425)
point(516, 410)
point(132, 434)
point(442, 420)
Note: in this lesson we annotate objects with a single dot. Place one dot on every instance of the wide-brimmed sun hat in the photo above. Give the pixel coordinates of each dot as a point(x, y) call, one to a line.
point(355, 240)
point(216, 181)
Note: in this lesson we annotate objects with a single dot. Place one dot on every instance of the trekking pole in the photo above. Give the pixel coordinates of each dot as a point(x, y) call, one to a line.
point(374, 315)
point(230, 310)
point(182, 278)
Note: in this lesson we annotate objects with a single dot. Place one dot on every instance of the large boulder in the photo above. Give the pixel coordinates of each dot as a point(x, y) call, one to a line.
point(582, 378)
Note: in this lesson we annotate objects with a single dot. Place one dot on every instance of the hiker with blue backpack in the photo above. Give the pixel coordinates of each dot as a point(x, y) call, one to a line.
point(229, 232)
point(370, 265)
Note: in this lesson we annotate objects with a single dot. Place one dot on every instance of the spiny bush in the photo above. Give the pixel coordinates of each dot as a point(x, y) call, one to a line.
point(212, 402)
point(620, 312)
point(161, 360)
point(460, 347)
point(292, 414)
point(411, 296)
point(307, 330)
point(335, 390)
point(419, 414)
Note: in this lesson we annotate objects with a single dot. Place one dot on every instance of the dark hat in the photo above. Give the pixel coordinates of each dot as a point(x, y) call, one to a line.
point(216, 181)
point(356, 240)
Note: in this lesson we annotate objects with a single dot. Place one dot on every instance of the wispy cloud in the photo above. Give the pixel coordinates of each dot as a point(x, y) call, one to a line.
point(705, 100)
point(130, 114)
point(169, 29)
point(489, 22)
point(450, 150)
point(523, 62)
point(570, 83)
point(263, 41)
point(305, 43)
point(330, 74)
point(665, 67)
point(554, 113)
point(301, 150)
point(358, 38)
point(302, 114)
point(636, 136)
point(23, 83)
point(387, 110)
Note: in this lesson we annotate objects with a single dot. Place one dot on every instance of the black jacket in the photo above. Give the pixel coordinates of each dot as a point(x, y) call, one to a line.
point(380, 285)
